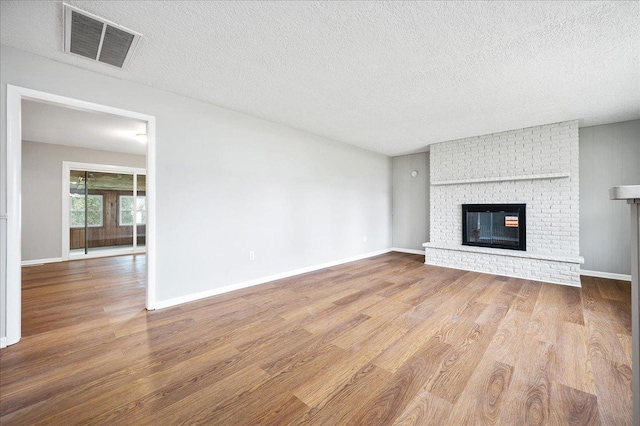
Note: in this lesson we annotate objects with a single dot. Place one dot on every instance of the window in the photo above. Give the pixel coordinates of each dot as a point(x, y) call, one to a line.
point(127, 209)
point(94, 211)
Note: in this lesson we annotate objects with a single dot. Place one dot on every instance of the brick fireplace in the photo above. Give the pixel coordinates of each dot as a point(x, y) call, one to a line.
point(536, 167)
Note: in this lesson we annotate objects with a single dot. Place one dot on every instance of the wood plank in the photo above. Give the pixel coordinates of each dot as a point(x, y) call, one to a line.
point(529, 399)
point(574, 364)
point(483, 397)
point(506, 344)
point(457, 367)
point(424, 409)
point(576, 407)
point(547, 313)
point(611, 367)
point(258, 399)
point(572, 305)
point(393, 397)
point(612, 290)
point(203, 404)
point(338, 407)
point(626, 344)
point(320, 387)
point(384, 340)
point(146, 388)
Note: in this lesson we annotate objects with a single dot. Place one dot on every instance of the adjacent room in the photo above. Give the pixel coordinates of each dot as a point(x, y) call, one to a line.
point(319, 213)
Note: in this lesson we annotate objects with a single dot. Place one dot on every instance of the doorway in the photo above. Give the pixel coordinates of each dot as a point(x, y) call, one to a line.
point(15, 96)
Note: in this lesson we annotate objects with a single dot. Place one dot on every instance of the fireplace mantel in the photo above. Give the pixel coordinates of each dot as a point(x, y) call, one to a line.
point(503, 179)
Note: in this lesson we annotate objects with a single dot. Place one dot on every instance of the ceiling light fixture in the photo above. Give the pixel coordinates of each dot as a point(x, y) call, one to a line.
point(142, 137)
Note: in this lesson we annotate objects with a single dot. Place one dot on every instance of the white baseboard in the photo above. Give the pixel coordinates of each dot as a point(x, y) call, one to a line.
point(3, 342)
point(106, 253)
point(41, 261)
point(215, 291)
point(609, 275)
point(410, 251)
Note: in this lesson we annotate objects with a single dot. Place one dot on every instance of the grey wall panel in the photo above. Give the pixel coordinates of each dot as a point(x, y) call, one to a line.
point(609, 156)
point(42, 192)
point(411, 201)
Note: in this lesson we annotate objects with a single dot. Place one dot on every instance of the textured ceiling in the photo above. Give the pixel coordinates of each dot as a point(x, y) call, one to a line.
point(391, 77)
point(49, 123)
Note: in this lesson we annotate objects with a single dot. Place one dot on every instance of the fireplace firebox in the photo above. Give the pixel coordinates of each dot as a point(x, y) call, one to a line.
point(494, 225)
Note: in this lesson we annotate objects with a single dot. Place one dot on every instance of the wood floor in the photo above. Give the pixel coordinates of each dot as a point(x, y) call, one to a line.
point(382, 341)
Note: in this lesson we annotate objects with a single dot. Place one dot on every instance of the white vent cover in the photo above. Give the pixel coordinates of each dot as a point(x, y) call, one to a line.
point(96, 38)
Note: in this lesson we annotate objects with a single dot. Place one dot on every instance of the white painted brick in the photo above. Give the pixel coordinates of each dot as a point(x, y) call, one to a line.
point(552, 204)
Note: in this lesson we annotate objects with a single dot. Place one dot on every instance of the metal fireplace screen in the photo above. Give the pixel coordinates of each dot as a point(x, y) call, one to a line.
point(494, 225)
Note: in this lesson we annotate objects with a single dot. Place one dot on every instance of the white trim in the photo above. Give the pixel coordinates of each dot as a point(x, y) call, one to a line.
point(14, 213)
point(215, 291)
point(410, 251)
point(134, 227)
point(66, 215)
point(3, 342)
point(106, 253)
point(506, 275)
point(104, 168)
point(15, 95)
point(609, 275)
point(35, 262)
point(150, 193)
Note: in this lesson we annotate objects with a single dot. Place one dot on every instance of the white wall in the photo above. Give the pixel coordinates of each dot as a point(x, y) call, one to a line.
point(228, 183)
point(41, 192)
point(410, 201)
point(609, 156)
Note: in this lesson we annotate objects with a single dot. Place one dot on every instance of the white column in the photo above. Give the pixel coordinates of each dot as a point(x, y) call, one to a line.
point(635, 305)
point(632, 195)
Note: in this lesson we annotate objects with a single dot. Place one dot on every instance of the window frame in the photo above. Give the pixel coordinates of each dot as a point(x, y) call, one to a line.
point(134, 210)
point(101, 196)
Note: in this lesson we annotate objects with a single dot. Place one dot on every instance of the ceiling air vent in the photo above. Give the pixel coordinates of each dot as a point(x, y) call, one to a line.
point(96, 38)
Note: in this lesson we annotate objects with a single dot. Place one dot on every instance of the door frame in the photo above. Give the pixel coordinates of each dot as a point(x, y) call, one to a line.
point(67, 166)
point(15, 95)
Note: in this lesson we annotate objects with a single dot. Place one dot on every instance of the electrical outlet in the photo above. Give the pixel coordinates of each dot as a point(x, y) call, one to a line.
point(252, 255)
point(365, 239)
